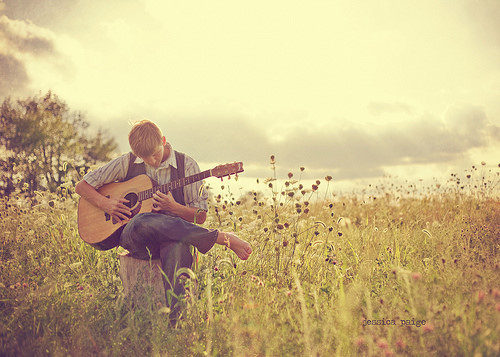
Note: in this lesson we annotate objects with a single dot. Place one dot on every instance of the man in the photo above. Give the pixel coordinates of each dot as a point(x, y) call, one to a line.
point(170, 230)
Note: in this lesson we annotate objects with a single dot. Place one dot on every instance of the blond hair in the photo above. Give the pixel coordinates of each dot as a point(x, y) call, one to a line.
point(144, 138)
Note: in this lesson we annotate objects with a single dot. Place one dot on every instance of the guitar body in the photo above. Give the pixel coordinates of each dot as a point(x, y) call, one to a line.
point(96, 227)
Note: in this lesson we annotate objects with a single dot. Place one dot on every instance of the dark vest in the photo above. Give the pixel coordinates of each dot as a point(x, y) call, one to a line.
point(140, 169)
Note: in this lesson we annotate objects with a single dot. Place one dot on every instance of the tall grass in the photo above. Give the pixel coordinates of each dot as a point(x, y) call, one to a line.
point(399, 271)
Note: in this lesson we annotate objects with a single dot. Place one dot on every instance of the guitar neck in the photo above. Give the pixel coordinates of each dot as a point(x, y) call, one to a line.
point(172, 185)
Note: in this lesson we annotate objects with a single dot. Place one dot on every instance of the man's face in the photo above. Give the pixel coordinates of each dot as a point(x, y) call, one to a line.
point(155, 159)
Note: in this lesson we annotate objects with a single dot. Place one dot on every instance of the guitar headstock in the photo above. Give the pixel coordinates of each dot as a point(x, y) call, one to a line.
point(227, 169)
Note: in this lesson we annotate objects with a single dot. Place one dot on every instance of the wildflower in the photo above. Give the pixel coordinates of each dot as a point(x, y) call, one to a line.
point(400, 344)
point(340, 234)
point(272, 161)
point(428, 327)
point(216, 268)
point(483, 163)
point(302, 168)
point(480, 296)
point(290, 175)
point(328, 178)
point(314, 187)
point(382, 343)
point(288, 293)
point(416, 276)
point(360, 341)
point(495, 293)
point(285, 243)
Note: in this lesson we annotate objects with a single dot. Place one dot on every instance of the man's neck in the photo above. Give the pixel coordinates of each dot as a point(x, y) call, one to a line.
point(166, 152)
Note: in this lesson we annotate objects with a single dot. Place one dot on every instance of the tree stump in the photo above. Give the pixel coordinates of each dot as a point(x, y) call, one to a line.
point(142, 280)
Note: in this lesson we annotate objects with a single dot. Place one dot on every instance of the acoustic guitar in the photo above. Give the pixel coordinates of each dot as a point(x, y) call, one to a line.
point(100, 230)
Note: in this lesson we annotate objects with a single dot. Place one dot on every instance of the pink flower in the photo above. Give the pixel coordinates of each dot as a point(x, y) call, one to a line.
point(382, 344)
point(400, 344)
point(416, 276)
point(480, 296)
point(428, 327)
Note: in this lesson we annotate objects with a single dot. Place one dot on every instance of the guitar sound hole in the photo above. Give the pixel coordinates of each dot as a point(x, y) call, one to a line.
point(132, 200)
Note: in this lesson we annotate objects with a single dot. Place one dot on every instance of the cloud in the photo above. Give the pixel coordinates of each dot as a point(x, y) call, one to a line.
point(349, 153)
point(14, 76)
point(20, 43)
point(25, 37)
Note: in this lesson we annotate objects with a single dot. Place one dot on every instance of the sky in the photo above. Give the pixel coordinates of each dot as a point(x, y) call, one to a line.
point(352, 89)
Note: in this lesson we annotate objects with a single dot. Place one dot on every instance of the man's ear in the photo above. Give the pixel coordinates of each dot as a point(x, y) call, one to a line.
point(164, 140)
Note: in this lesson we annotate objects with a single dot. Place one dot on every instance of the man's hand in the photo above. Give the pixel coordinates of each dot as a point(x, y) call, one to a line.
point(164, 202)
point(117, 209)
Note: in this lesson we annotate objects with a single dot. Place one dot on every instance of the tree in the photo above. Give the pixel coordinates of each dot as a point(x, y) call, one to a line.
point(41, 140)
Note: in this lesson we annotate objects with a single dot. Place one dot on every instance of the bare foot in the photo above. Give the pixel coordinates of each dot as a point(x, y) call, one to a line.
point(237, 245)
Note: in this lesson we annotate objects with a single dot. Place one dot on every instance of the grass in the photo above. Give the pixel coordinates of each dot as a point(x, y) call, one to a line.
point(329, 275)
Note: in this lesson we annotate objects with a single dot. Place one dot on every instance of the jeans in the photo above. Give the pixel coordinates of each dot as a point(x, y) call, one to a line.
point(154, 235)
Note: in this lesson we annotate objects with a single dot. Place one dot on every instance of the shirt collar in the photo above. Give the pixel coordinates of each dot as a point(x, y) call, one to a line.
point(170, 161)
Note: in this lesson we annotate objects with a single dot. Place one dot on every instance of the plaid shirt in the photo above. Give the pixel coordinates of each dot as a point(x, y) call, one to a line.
point(116, 170)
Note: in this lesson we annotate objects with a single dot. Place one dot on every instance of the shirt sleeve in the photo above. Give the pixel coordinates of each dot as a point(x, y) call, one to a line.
point(115, 170)
point(195, 194)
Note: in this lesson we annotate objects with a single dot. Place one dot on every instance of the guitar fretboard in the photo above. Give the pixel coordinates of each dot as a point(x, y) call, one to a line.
point(172, 185)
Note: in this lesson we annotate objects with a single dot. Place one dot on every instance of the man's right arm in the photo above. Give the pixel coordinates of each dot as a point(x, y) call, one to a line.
point(115, 170)
point(116, 208)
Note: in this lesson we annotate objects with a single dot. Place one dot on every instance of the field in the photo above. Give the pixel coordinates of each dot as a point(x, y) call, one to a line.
point(404, 270)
